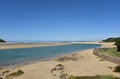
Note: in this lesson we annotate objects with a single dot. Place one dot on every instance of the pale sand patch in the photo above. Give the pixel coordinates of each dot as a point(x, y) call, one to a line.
point(108, 45)
point(89, 65)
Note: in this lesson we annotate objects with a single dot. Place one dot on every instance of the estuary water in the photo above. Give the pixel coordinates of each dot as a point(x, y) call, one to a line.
point(15, 56)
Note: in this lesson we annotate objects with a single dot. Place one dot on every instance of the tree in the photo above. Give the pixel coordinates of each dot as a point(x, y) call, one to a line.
point(118, 45)
point(112, 39)
point(1, 40)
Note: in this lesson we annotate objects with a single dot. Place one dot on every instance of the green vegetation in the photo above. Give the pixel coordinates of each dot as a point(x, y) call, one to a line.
point(14, 74)
point(67, 58)
point(116, 40)
point(112, 39)
point(93, 77)
point(110, 51)
point(117, 69)
point(118, 45)
point(1, 40)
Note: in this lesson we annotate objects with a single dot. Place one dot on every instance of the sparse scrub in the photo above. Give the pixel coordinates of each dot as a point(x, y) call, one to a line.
point(93, 77)
point(62, 59)
point(101, 59)
point(110, 67)
point(7, 71)
point(14, 74)
point(65, 58)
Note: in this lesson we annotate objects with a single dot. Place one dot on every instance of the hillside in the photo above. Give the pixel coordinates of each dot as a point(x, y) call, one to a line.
point(112, 39)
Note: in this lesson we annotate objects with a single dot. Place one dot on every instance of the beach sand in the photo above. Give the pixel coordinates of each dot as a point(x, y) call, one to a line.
point(15, 45)
point(82, 63)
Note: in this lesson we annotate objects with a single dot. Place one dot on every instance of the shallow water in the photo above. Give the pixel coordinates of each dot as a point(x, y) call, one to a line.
point(14, 56)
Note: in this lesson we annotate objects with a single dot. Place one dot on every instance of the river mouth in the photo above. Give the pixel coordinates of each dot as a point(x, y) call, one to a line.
point(17, 56)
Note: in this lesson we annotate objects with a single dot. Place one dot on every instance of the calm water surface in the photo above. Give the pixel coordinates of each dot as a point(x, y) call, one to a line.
point(14, 56)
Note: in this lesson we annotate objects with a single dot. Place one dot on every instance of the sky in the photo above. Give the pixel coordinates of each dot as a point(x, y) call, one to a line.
point(59, 20)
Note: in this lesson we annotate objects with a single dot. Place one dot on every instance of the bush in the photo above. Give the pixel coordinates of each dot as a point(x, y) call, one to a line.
point(14, 74)
point(112, 39)
point(118, 45)
point(117, 69)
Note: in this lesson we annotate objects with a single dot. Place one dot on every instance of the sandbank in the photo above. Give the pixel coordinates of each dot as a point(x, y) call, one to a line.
point(31, 45)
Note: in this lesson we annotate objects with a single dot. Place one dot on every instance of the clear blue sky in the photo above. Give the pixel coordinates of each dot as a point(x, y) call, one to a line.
point(59, 20)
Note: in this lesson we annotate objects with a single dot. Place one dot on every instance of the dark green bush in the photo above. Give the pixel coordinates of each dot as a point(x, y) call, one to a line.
point(117, 69)
point(14, 74)
point(112, 39)
point(118, 45)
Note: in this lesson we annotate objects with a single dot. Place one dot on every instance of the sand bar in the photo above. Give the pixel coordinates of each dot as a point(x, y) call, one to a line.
point(31, 45)
point(17, 45)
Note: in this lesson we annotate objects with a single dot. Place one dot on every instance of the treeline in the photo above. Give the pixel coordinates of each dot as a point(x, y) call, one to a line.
point(1, 40)
point(116, 40)
point(112, 39)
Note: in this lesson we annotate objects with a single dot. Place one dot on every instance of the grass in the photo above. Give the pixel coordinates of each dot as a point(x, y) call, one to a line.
point(93, 77)
point(110, 51)
point(14, 74)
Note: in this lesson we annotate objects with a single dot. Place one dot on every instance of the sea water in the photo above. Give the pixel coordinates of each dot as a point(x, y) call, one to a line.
point(18, 55)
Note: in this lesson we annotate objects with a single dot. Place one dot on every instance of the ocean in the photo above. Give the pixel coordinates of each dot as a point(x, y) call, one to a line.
point(19, 55)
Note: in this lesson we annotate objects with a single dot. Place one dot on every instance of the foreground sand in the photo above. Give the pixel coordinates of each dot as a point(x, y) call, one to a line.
point(84, 63)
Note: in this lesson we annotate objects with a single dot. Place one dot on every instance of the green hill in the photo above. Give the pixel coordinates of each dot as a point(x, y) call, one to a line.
point(112, 39)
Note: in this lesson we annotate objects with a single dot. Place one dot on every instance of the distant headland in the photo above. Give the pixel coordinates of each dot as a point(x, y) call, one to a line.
point(1, 40)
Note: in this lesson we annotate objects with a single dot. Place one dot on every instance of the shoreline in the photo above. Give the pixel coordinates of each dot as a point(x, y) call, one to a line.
point(29, 45)
point(44, 67)
point(32, 45)
point(22, 63)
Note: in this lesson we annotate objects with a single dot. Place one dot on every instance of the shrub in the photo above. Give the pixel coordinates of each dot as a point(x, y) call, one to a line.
point(117, 69)
point(118, 45)
point(14, 74)
point(112, 39)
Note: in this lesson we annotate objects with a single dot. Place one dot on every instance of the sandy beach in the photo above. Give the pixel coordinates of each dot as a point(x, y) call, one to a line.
point(15, 45)
point(31, 45)
point(82, 63)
